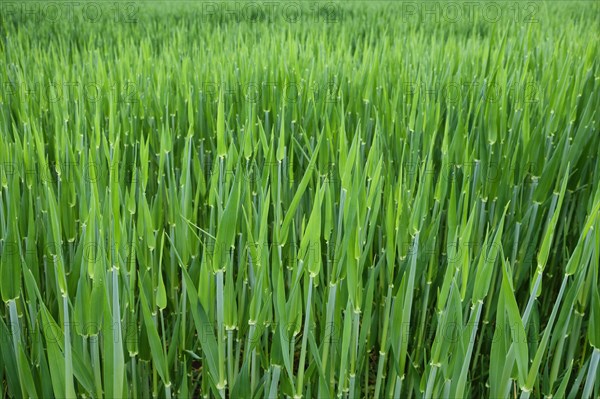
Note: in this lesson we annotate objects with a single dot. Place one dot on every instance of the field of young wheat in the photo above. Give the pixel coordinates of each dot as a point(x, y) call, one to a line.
point(310, 199)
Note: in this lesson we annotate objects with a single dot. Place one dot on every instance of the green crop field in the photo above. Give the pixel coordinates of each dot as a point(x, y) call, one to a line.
point(310, 199)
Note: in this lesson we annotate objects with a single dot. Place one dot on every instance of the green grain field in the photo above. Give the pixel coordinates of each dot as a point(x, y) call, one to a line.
point(311, 199)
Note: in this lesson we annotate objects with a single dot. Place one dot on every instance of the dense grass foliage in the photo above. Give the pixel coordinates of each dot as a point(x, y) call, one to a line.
point(336, 200)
